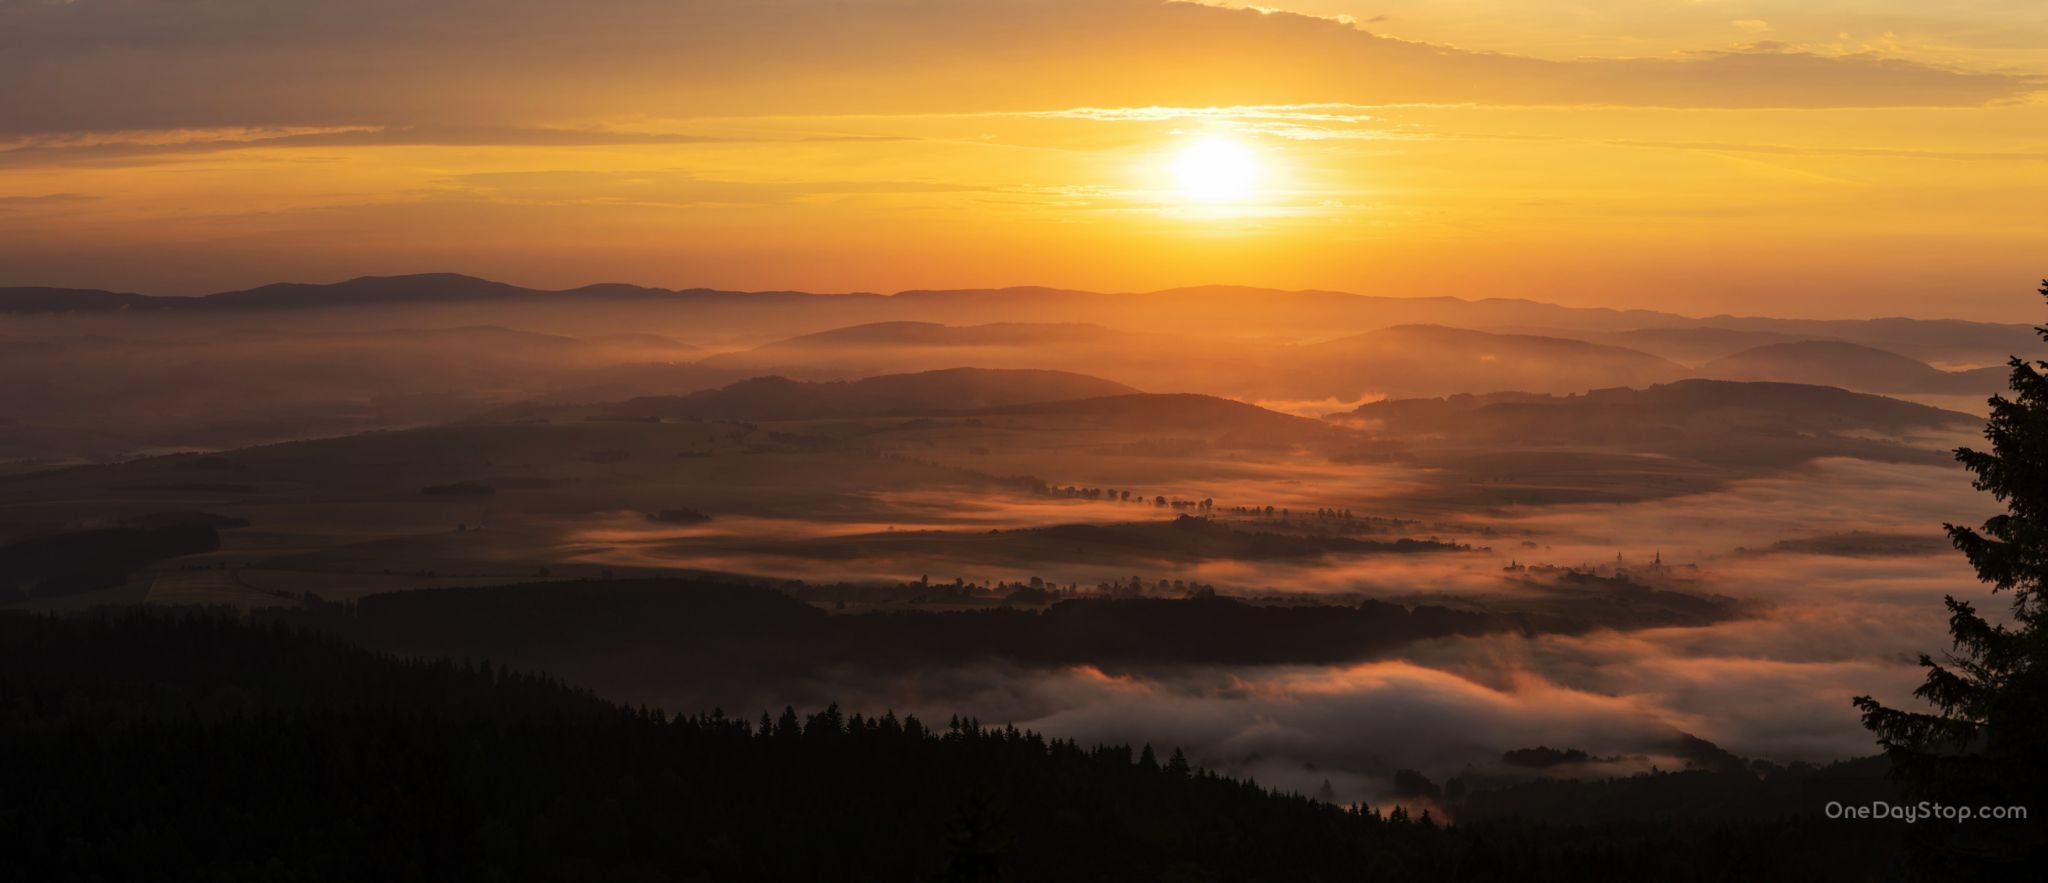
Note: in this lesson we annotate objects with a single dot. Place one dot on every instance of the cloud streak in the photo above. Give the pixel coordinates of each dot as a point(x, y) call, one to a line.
point(125, 64)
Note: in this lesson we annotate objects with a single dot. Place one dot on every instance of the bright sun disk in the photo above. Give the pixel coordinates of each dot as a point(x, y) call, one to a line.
point(1215, 169)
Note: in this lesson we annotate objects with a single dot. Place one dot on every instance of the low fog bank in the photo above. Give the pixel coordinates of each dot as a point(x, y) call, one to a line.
point(1775, 684)
point(1745, 616)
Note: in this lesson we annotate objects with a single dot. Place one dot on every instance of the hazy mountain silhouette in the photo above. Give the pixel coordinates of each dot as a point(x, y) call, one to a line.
point(1850, 366)
point(412, 289)
point(1690, 345)
point(124, 374)
point(1197, 310)
point(1614, 415)
point(1434, 359)
point(642, 339)
point(28, 300)
point(1929, 340)
point(442, 287)
point(780, 398)
point(1624, 445)
point(933, 334)
point(140, 386)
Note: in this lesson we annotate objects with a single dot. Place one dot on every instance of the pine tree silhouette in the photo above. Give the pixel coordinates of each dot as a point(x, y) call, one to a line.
point(1982, 744)
point(1178, 765)
point(975, 839)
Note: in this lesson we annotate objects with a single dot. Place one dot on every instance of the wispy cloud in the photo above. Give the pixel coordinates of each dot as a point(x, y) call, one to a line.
point(523, 63)
point(128, 145)
point(44, 199)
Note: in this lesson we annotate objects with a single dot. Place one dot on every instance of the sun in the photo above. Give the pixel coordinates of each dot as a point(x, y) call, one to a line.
point(1215, 169)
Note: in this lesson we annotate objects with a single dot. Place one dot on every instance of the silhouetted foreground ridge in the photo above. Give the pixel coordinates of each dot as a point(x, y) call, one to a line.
point(187, 747)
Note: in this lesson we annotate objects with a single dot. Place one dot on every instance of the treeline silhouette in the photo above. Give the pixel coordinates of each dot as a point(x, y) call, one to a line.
point(1204, 538)
point(186, 746)
point(625, 632)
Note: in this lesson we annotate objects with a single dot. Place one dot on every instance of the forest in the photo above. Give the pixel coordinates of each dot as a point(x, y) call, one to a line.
point(189, 745)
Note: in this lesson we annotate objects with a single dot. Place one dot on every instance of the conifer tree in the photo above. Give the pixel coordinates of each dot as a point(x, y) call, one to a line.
point(1982, 743)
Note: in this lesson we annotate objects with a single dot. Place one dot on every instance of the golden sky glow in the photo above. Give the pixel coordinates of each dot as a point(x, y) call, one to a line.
point(1793, 158)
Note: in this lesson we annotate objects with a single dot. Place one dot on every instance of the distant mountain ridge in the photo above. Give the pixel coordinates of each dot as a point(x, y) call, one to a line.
point(1248, 343)
point(453, 287)
point(937, 334)
point(418, 288)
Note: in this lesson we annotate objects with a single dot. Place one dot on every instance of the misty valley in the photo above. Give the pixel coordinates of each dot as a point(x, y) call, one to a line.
point(1417, 577)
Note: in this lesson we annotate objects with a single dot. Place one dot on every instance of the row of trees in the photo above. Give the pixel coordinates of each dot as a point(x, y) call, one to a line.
point(1126, 496)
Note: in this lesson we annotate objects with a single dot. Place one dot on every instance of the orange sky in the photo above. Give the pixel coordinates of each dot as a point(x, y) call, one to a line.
point(1789, 157)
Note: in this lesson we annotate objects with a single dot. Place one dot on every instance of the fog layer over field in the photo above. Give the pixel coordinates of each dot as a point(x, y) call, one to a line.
point(1773, 683)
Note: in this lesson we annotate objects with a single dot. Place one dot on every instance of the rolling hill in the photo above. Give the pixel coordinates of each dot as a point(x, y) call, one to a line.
point(1231, 422)
point(1612, 416)
point(1850, 366)
point(780, 398)
point(1162, 410)
point(1621, 445)
point(936, 334)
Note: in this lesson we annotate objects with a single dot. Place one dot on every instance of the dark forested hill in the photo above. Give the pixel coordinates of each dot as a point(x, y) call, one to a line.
point(191, 747)
point(81, 561)
point(702, 642)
